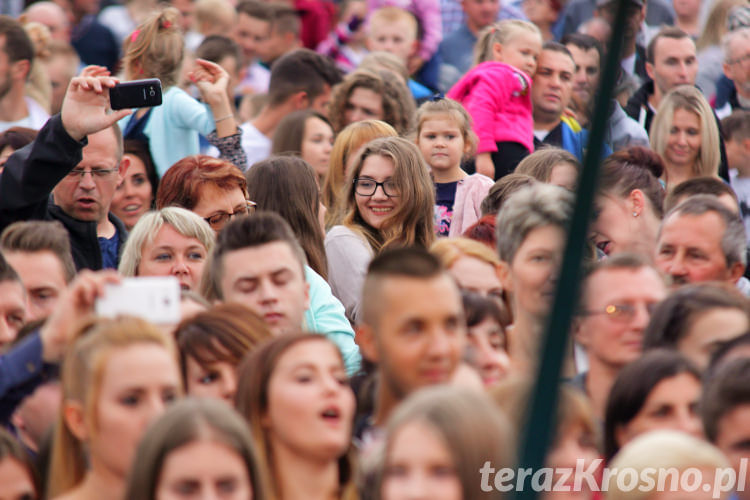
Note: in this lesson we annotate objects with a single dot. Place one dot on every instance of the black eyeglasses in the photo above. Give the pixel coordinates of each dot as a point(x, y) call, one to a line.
point(367, 187)
point(622, 313)
point(217, 221)
point(99, 173)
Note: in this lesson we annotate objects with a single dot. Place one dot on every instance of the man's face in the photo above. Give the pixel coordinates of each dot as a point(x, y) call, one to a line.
point(187, 10)
point(397, 38)
point(634, 17)
point(269, 280)
point(617, 309)
point(54, 18)
point(586, 79)
point(674, 63)
point(737, 68)
point(321, 101)
point(43, 277)
point(420, 334)
point(480, 13)
point(553, 82)
point(88, 197)
point(689, 249)
point(250, 33)
point(12, 311)
point(275, 45)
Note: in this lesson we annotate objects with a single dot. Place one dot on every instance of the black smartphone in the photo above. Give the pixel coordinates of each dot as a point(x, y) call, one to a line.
point(136, 94)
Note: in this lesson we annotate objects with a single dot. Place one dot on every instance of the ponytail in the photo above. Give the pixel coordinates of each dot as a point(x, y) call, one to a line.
point(156, 48)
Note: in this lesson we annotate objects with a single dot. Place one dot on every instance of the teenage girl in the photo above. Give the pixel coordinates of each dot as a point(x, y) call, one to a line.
point(445, 139)
point(156, 49)
point(496, 93)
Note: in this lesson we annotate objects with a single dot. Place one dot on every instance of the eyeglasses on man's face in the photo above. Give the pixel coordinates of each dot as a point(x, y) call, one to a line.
point(218, 221)
point(96, 173)
point(367, 187)
point(621, 312)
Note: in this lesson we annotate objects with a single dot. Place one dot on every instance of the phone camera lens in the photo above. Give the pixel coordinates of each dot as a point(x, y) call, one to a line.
point(152, 93)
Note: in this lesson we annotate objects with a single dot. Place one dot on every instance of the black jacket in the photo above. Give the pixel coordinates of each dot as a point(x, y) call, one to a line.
point(29, 177)
point(639, 110)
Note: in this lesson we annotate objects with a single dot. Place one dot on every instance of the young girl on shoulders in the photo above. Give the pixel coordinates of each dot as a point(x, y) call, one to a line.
point(496, 93)
point(445, 138)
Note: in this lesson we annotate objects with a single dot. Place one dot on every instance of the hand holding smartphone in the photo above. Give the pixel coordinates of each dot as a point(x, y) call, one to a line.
point(153, 298)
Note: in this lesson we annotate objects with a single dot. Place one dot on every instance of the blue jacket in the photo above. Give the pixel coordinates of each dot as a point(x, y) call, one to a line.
point(326, 315)
point(20, 374)
point(575, 142)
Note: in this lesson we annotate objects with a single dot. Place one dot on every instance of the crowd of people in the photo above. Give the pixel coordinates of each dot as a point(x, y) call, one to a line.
point(364, 205)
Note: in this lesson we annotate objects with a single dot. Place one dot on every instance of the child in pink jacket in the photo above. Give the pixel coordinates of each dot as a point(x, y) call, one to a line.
point(497, 94)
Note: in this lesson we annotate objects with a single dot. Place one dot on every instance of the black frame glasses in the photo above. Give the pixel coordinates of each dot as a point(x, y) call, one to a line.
point(218, 221)
point(365, 186)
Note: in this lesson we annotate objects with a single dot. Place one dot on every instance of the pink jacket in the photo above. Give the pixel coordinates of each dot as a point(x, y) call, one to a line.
point(428, 15)
point(470, 192)
point(498, 98)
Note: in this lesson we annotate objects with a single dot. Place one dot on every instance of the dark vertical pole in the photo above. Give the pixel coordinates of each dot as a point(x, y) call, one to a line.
point(540, 424)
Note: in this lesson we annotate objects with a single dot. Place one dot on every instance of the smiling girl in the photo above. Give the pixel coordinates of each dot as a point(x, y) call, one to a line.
point(388, 202)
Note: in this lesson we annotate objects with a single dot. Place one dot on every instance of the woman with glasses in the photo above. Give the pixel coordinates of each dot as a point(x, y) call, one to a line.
point(388, 201)
point(213, 188)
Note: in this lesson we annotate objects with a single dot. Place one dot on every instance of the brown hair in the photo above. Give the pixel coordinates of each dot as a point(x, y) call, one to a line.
point(40, 236)
point(319, 71)
point(501, 191)
point(252, 402)
point(728, 388)
point(156, 48)
point(17, 137)
point(348, 142)
point(698, 185)
point(182, 183)
point(541, 162)
point(630, 169)
point(226, 332)
point(288, 186)
point(11, 449)
point(398, 104)
point(291, 132)
point(672, 32)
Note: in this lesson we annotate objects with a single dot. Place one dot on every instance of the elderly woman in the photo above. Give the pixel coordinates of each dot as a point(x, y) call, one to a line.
point(530, 236)
point(214, 189)
point(685, 135)
point(169, 242)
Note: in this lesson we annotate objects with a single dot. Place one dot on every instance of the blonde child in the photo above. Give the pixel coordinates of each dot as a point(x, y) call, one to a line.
point(496, 93)
point(445, 138)
point(156, 49)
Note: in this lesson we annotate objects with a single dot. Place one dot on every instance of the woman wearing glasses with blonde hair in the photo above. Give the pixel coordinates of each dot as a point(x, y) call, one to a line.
point(388, 202)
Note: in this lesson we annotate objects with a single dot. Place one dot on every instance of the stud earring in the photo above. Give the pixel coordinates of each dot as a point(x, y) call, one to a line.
point(635, 214)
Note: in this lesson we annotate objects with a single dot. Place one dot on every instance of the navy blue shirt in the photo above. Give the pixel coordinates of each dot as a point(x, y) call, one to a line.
point(445, 197)
point(108, 247)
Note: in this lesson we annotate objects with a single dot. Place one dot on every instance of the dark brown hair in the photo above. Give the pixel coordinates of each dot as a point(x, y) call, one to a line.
point(40, 236)
point(634, 168)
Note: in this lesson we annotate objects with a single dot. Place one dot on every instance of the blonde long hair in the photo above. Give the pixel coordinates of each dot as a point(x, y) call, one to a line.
point(501, 32)
point(689, 98)
point(412, 222)
point(81, 378)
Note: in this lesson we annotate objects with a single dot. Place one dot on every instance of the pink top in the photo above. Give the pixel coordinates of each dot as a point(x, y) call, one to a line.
point(428, 15)
point(498, 98)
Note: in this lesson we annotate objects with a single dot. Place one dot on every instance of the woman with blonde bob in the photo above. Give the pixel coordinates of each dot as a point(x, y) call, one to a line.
point(388, 202)
point(117, 377)
point(685, 135)
point(673, 454)
point(175, 451)
point(348, 142)
point(462, 430)
point(296, 398)
point(172, 241)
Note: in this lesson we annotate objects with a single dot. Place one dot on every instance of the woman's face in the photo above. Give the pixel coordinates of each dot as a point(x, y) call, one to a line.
point(671, 404)
point(533, 272)
point(378, 207)
point(476, 275)
point(363, 104)
point(310, 403)
point(134, 195)
point(486, 349)
point(137, 384)
point(204, 469)
point(614, 228)
point(564, 175)
point(684, 139)
point(574, 442)
point(419, 460)
point(214, 380)
point(317, 142)
point(220, 205)
point(173, 254)
point(16, 480)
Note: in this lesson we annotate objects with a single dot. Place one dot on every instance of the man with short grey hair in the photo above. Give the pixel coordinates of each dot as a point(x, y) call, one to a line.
point(736, 66)
point(702, 240)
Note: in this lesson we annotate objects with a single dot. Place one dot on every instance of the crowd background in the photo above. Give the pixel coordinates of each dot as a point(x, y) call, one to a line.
point(364, 204)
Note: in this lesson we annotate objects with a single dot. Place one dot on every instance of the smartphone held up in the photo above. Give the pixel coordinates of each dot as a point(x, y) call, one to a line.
point(136, 94)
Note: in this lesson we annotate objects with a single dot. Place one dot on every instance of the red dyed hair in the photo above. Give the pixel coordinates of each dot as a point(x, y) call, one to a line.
point(182, 182)
point(483, 231)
